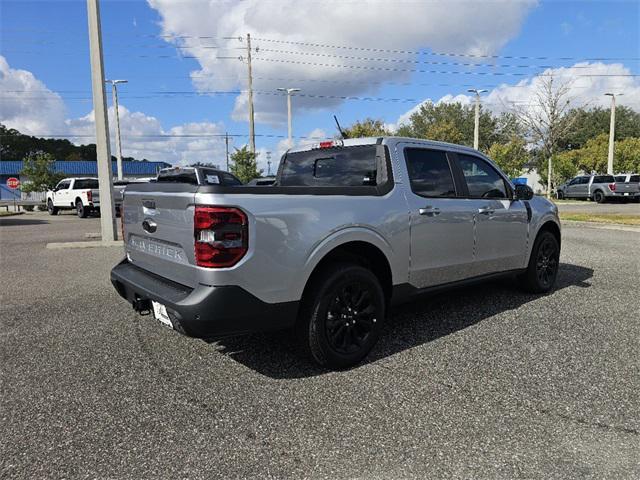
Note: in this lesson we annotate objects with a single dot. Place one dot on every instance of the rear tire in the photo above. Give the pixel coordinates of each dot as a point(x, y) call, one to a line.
point(542, 270)
point(81, 210)
point(341, 316)
point(598, 196)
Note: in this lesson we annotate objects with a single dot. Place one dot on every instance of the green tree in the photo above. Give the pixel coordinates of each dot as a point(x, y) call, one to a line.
point(511, 157)
point(368, 127)
point(587, 124)
point(627, 155)
point(452, 122)
point(244, 165)
point(38, 167)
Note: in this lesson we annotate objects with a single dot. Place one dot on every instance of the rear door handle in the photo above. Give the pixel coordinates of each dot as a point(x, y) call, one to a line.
point(429, 211)
point(486, 210)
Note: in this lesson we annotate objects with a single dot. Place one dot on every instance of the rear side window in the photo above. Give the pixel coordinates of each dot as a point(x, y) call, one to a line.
point(621, 178)
point(334, 167)
point(583, 180)
point(603, 179)
point(482, 179)
point(429, 173)
point(85, 184)
point(634, 178)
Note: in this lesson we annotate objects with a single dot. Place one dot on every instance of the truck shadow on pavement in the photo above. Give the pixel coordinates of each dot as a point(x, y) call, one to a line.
point(17, 221)
point(412, 324)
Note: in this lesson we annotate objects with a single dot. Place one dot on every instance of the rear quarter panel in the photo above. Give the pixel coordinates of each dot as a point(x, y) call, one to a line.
point(290, 234)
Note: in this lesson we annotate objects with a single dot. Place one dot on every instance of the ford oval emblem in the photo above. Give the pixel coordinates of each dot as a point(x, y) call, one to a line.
point(149, 225)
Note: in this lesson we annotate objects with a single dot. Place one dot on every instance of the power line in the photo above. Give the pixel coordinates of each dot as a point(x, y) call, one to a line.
point(434, 72)
point(448, 54)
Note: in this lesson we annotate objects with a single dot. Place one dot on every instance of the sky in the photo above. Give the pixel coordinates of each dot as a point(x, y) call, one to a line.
point(186, 67)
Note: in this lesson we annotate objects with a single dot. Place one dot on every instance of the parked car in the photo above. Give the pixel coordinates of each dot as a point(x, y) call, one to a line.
point(588, 187)
point(628, 186)
point(81, 194)
point(263, 181)
point(349, 228)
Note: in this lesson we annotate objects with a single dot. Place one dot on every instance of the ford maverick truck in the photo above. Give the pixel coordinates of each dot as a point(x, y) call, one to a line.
point(349, 228)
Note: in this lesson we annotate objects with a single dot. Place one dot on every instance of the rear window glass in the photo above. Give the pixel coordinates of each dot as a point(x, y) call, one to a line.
point(332, 167)
point(83, 184)
point(621, 178)
point(429, 173)
point(182, 175)
point(603, 179)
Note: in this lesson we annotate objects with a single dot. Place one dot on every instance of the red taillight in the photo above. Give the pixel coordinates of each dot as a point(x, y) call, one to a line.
point(89, 196)
point(221, 236)
point(612, 187)
point(326, 144)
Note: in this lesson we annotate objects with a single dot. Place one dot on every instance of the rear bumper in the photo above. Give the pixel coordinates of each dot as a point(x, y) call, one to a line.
point(204, 311)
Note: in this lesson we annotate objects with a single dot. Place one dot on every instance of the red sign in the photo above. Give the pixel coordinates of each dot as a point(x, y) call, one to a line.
point(13, 183)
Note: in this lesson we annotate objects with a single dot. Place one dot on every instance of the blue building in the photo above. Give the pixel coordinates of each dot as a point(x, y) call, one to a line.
point(75, 168)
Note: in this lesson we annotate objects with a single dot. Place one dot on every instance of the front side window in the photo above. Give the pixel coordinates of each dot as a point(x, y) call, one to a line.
point(482, 179)
point(621, 178)
point(429, 173)
point(63, 185)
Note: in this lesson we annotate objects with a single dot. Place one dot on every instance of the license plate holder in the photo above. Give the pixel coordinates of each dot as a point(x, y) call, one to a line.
point(161, 315)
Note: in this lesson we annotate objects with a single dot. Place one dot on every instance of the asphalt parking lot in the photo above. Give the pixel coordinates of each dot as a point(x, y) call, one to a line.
point(485, 382)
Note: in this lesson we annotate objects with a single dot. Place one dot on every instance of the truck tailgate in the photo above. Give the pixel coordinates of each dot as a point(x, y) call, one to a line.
point(627, 187)
point(158, 230)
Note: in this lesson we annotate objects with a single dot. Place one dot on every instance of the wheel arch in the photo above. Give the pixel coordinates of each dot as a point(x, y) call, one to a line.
point(361, 252)
point(551, 226)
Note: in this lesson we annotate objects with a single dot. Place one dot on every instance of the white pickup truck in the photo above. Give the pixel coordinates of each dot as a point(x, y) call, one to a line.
point(81, 194)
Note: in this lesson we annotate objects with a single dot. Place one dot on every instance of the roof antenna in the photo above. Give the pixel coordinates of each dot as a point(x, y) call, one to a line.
point(344, 135)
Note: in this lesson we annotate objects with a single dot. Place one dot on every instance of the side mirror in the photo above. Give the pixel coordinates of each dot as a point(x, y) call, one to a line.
point(523, 192)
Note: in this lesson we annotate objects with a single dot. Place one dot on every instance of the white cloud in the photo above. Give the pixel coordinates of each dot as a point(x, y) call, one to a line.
point(584, 91)
point(314, 136)
point(31, 108)
point(471, 27)
point(27, 104)
point(144, 137)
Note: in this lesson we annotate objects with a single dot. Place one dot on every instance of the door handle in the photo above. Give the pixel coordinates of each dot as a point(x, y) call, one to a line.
point(429, 211)
point(486, 210)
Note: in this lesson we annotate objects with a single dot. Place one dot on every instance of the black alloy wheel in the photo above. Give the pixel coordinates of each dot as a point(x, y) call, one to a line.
point(341, 315)
point(547, 262)
point(350, 317)
point(541, 273)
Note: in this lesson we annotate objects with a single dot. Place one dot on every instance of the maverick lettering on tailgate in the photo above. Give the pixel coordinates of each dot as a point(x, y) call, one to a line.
point(157, 249)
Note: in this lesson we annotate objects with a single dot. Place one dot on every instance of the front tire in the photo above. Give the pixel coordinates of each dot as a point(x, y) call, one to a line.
point(51, 209)
point(542, 270)
point(560, 195)
point(341, 319)
point(81, 210)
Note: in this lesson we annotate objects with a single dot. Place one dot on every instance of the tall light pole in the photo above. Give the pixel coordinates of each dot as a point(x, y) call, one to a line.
point(289, 91)
point(612, 131)
point(476, 128)
point(103, 154)
point(114, 91)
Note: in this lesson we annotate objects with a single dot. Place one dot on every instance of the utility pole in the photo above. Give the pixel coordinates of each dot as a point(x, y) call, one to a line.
point(226, 143)
point(476, 128)
point(114, 91)
point(105, 173)
point(268, 164)
point(289, 91)
point(252, 134)
point(612, 131)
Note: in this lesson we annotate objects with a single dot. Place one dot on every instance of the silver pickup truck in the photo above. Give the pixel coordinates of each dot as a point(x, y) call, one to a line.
point(628, 186)
point(348, 229)
point(598, 188)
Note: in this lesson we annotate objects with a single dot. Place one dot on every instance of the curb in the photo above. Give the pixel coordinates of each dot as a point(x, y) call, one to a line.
point(602, 226)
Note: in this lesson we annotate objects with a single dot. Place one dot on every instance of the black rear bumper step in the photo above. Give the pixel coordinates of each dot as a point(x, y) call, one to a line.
point(204, 311)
